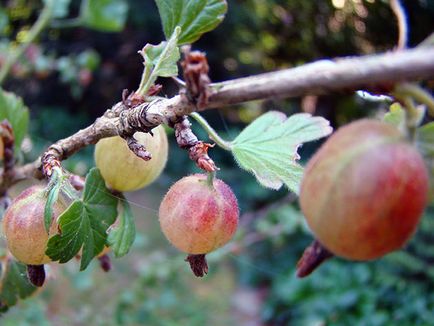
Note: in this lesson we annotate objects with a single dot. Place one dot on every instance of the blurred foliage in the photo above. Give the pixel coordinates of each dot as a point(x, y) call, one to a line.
point(74, 74)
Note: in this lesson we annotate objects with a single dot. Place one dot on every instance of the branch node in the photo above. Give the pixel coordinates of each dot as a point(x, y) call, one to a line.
point(199, 154)
point(138, 148)
point(197, 150)
point(183, 133)
point(51, 159)
point(196, 68)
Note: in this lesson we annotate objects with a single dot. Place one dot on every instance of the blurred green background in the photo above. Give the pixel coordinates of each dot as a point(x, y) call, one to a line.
point(72, 75)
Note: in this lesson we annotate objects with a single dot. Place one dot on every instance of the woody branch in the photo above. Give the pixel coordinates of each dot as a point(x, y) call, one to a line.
point(373, 72)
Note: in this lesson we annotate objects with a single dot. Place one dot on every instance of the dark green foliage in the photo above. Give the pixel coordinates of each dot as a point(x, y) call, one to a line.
point(84, 224)
point(14, 283)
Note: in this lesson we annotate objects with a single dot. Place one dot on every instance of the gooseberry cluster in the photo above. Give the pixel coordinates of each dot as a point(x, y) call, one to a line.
point(362, 194)
point(198, 215)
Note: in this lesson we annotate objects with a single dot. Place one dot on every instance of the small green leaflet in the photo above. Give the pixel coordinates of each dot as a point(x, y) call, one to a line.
point(122, 235)
point(425, 145)
point(162, 59)
point(84, 224)
point(104, 15)
point(14, 283)
point(195, 17)
point(13, 109)
point(395, 116)
point(268, 147)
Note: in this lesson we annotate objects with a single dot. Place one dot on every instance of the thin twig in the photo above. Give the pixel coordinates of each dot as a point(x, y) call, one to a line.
point(37, 28)
point(399, 12)
point(418, 93)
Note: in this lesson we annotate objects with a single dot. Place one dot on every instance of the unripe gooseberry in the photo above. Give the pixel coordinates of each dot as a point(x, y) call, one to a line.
point(24, 229)
point(364, 191)
point(122, 169)
point(197, 217)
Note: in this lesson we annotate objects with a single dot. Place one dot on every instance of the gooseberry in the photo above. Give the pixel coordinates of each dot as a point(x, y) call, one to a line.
point(122, 169)
point(198, 216)
point(364, 191)
point(24, 229)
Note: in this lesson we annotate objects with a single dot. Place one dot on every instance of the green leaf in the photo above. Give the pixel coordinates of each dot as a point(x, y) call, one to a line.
point(104, 15)
point(425, 144)
point(160, 61)
point(14, 283)
point(162, 58)
point(84, 224)
point(60, 8)
point(268, 147)
point(122, 235)
point(52, 196)
point(395, 116)
point(195, 17)
point(13, 109)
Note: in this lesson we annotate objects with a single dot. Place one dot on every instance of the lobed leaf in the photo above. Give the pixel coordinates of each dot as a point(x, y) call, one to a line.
point(195, 17)
point(13, 109)
point(84, 224)
point(121, 237)
point(104, 15)
point(14, 284)
point(268, 147)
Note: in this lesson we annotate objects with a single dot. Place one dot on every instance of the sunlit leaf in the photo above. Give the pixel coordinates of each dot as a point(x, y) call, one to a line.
point(14, 284)
point(195, 17)
point(104, 15)
point(268, 147)
point(13, 109)
point(84, 224)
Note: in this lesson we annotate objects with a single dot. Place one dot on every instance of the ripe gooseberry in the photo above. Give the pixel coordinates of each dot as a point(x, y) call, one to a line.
point(364, 191)
point(122, 169)
point(24, 229)
point(197, 217)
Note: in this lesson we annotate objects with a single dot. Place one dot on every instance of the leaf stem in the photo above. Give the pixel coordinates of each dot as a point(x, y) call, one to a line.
point(210, 179)
point(418, 93)
point(226, 145)
point(15, 54)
